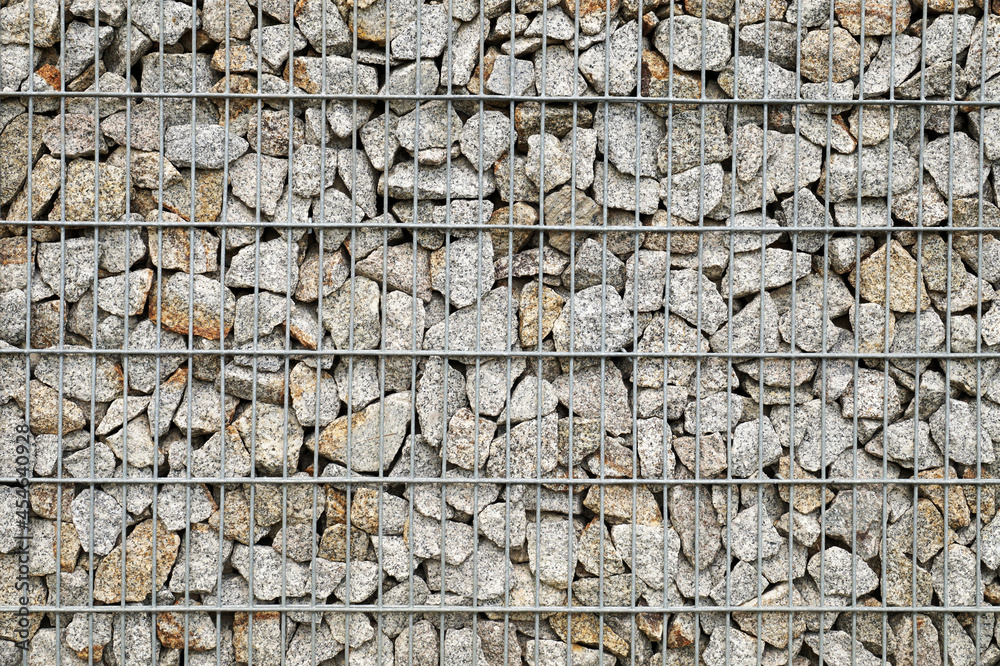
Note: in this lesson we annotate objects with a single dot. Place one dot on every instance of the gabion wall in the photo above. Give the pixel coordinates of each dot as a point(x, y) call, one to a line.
point(499, 332)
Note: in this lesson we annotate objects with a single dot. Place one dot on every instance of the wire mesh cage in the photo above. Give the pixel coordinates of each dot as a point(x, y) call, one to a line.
point(499, 331)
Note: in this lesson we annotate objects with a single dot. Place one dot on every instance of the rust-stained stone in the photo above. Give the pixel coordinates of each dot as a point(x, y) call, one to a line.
point(717, 10)
point(44, 411)
point(333, 543)
point(209, 190)
point(370, 20)
point(815, 56)
point(523, 214)
point(12, 591)
point(241, 58)
point(336, 505)
point(335, 271)
point(181, 253)
point(552, 304)
point(659, 80)
point(586, 630)
point(44, 498)
point(650, 624)
point(172, 312)
point(681, 632)
point(592, 13)
point(197, 632)
point(13, 262)
point(558, 121)
point(241, 109)
point(69, 543)
point(878, 15)
point(902, 288)
point(959, 514)
point(617, 501)
point(266, 646)
point(46, 324)
point(483, 71)
point(774, 628)
point(113, 190)
point(14, 158)
point(138, 564)
point(236, 518)
point(808, 496)
point(381, 426)
point(45, 177)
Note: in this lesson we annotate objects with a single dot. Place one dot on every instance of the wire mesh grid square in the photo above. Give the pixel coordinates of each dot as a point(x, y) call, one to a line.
point(498, 332)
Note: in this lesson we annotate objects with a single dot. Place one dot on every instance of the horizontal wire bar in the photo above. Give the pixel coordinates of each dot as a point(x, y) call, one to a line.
point(506, 610)
point(525, 481)
point(447, 353)
point(498, 99)
point(485, 226)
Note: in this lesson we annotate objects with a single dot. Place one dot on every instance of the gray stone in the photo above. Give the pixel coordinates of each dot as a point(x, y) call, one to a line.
point(215, 14)
point(555, 540)
point(840, 649)
point(842, 572)
point(432, 182)
point(429, 131)
point(557, 72)
point(485, 137)
point(618, 190)
point(782, 41)
point(620, 144)
point(875, 172)
point(738, 648)
point(556, 165)
point(682, 41)
point(649, 551)
point(271, 573)
point(363, 298)
point(73, 135)
point(896, 59)
point(485, 324)
point(78, 45)
point(270, 265)
point(98, 534)
point(313, 17)
point(306, 391)
point(953, 162)
point(112, 291)
point(621, 79)
point(501, 82)
point(312, 171)
point(436, 29)
point(165, 21)
point(595, 320)
point(780, 267)
point(693, 193)
point(781, 83)
point(954, 429)
point(259, 188)
point(210, 146)
point(403, 81)
point(682, 150)
point(273, 43)
point(462, 271)
point(753, 329)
